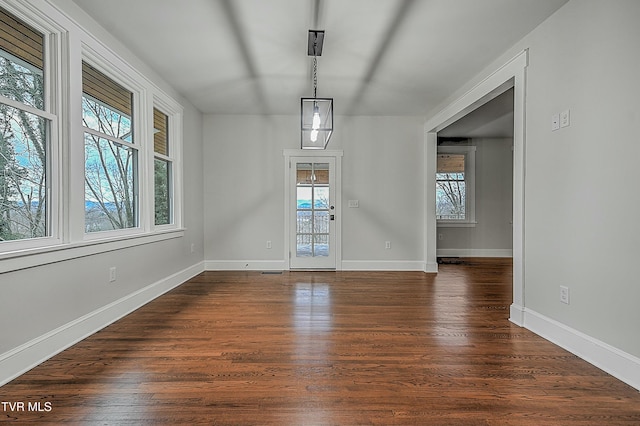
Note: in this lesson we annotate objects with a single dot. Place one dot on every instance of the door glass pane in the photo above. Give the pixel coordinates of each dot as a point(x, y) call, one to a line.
point(303, 173)
point(303, 245)
point(321, 172)
point(320, 222)
point(303, 197)
point(321, 197)
point(321, 245)
point(304, 222)
point(312, 209)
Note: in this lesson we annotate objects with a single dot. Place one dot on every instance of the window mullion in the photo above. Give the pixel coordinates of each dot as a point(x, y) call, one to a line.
point(111, 138)
point(31, 110)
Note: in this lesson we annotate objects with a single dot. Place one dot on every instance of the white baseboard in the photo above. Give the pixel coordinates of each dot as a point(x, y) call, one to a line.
point(383, 265)
point(245, 265)
point(346, 265)
point(23, 358)
point(516, 314)
point(430, 268)
point(474, 253)
point(619, 364)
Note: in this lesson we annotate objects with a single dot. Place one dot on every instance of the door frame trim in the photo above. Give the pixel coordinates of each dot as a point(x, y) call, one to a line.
point(288, 155)
point(511, 74)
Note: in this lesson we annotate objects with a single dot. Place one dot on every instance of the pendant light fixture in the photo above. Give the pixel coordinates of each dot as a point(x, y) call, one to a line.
point(316, 114)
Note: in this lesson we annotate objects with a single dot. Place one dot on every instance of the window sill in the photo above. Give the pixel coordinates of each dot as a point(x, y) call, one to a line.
point(31, 258)
point(456, 224)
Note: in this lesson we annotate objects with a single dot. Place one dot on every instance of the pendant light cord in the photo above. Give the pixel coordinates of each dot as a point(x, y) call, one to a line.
point(315, 76)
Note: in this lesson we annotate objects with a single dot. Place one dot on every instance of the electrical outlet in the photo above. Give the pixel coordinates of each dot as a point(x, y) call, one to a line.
point(440, 237)
point(387, 244)
point(269, 244)
point(564, 294)
point(193, 248)
point(112, 274)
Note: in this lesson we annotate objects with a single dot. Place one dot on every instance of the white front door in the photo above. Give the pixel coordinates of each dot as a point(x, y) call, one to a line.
point(312, 213)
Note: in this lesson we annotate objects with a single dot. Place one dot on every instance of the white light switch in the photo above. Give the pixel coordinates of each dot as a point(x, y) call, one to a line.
point(353, 203)
point(564, 119)
point(555, 122)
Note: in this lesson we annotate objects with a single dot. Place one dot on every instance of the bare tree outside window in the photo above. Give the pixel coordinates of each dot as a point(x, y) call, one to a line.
point(23, 152)
point(110, 155)
point(451, 187)
point(450, 196)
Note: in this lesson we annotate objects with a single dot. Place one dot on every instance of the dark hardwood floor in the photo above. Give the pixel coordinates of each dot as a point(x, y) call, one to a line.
point(320, 348)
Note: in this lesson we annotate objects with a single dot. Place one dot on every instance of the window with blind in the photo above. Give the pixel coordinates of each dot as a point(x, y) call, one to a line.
point(162, 169)
point(131, 175)
point(25, 124)
point(455, 184)
point(111, 154)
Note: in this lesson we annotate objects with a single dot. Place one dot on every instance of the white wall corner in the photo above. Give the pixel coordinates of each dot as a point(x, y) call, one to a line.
point(619, 364)
point(27, 356)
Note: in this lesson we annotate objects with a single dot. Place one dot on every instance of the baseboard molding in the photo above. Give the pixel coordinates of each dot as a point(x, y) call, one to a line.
point(346, 265)
point(619, 364)
point(474, 253)
point(516, 314)
point(383, 265)
point(23, 358)
point(431, 268)
point(245, 265)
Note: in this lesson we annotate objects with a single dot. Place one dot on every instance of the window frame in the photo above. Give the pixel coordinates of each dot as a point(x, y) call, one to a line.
point(66, 44)
point(136, 144)
point(469, 152)
point(174, 113)
point(53, 114)
point(169, 159)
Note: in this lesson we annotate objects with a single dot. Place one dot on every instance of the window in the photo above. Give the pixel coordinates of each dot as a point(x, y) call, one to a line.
point(162, 170)
point(130, 183)
point(25, 125)
point(455, 185)
point(111, 156)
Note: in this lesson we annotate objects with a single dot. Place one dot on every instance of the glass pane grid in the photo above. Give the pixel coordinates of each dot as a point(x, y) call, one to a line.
point(312, 210)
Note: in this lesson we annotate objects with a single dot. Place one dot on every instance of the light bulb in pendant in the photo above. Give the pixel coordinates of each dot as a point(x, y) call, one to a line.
point(314, 135)
point(315, 125)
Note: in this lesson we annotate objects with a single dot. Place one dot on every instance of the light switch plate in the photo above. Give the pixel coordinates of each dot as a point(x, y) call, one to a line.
point(564, 118)
point(555, 122)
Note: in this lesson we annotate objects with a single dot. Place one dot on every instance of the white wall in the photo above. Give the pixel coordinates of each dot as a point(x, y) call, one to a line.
point(492, 235)
point(244, 189)
point(45, 308)
point(581, 195)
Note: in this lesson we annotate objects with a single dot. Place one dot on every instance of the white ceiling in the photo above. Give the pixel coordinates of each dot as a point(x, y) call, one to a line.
point(491, 120)
point(381, 57)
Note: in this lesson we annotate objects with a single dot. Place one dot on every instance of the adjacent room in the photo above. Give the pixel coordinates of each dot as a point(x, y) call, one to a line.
point(319, 212)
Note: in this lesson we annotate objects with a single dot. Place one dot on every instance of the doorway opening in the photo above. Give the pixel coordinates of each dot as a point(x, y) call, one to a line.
point(474, 184)
point(508, 76)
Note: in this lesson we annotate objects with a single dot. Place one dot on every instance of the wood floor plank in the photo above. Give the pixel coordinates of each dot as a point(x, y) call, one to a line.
point(316, 348)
